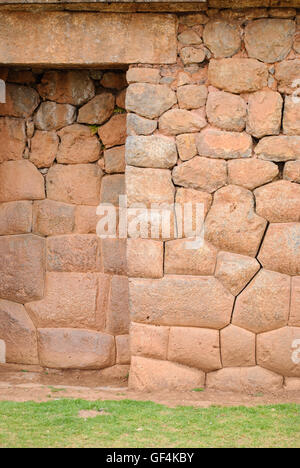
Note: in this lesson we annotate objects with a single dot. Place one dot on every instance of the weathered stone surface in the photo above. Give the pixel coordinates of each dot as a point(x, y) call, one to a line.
point(192, 96)
point(18, 333)
point(113, 80)
point(120, 99)
point(264, 113)
point(280, 250)
point(226, 111)
point(149, 186)
point(168, 302)
point(251, 173)
point(98, 110)
point(279, 202)
point(235, 271)
point(149, 341)
point(117, 320)
point(51, 218)
point(15, 217)
point(269, 40)
point(237, 347)
point(291, 116)
point(22, 268)
point(201, 173)
point(291, 384)
point(114, 159)
point(91, 43)
point(195, 347)
point(21, 101)
point(278, 351)
point(20, 76)
point(149, 100)
point(244, 379)
point(114, 256)
point(190, 55)
point(238, 75)
point(137, 125)
point(264, 304)
point(70, 87)
point(182, 261)
point(189, 37)
point(222, 38)
point(295, 303)
point(152, 374)
point(186, 195)
point(224, 145)
point(74, 253)
point(112, 187)
point(292, 171)
point(159, 224)
point(86, 219)
point(145, 258)
point(113, 133)
point(67, 348)
point(151, 151)
point(77, 145)
point(232, 224)
point(78, 184)
point(70, 301)
point(44, 147)
point(52, 116)
point(12, 139)
point(177, 121)
point(286, 73)
point(143, 75)
point(279, 148)
point(123, 349)
point(186, 146)
point(20, 180)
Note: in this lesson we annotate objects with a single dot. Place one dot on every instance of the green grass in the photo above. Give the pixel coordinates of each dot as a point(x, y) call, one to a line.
point(146, 424)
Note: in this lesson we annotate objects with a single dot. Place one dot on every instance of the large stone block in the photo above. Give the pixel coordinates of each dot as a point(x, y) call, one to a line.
point(43, 149)
point(78, 145)
point(180, 260)
point(114, 256)
point(66, 348)
point(295, 303)
point(291, 116)
point(143, 75)
point(279, 202)
point(123, 349)
point(264, 113)
point(51, 218)
point(222, 38)
point(98, 110)
point(192, 96)
point(149, 100)
point(292, 171)
point(177, 121)
point(18, 333)
point(251, 173)
point(21, 101)
point(168, 302)
point(52, 116)
point(226, 111)
point(117, 320)
point(22, 268)
point(186, 145)
point(112, 187)
point(279, 148)
point(12, 139)
point(224, 145)
point(137, 125)
point(244, 379)
point(114, 160)
point(15, 217)
point(145, 258)
point(237, 347)
point(20, 180)
point(113, 132)
point(149, 341)
point(149, 186)
point(286, 73)
point(151, 151)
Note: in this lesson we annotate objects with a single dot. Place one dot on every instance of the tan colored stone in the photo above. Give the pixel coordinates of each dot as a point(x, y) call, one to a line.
point(286, 73)
point(224, 145)
point(151, 151)
point(52, 116)
point(291, 384)
point(86, 219)
point(189, 37)
point(168, 302)
point(20, 180)
point(149, 100)
point(198, 201)
point(280, 250)
point(264, 113)
point(18, 333)
point(291, 116)
point(21, 101)
point(70, 87)
point(269, 40)
point(151, 375)
point(12, 139)
point(137, 125)
point(179, 260)
point(192, 96)
point(295, 303)
point(177, 121)
point(112, 187)
point(244, 379)
point(67, 348)
point(190, 55)
point(117, 320)
point(113, 80)
point(77, 145)
point(114, 256)
point(186, 146)
point(235, 271)
point(51, 218)
point(149, 341)
point(145, 258)
point(120, 99)
point(123, 349)
point(15, 217)
point(237, 347)
point(193, 19)
point(296, 45)
point(264, 304)
point(251, 173)
point(113, 133)
point(201, 173)
point(232, 224)
point(238, 75)
point(195, 347)
point(98, 110)
point(226, 111)
point(292, 171)
point(78, 184)
point(279, 202)
point(222, 38)
point(279, 351)
point(143, 75)
point(22, 268)
point(279, 148)
point(149, 186)
point(114, 159)
point(44, 147)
